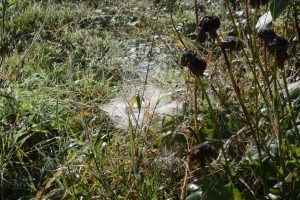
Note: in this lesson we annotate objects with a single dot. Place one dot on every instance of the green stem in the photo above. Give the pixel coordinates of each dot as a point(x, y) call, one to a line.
point(200, 139)
point(253, 50)
point(235, 87)
point(295, 14)
point(217, 130)
point(196, 14)
point(3, 18)
point(231, 15)
point(290, 107)
point(252, 68)
point(254, 131)
point(175, 29)
point(277, 127)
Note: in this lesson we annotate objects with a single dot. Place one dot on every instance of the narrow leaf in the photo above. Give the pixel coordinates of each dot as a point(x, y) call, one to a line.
point(138, 101)
point(277, 7)
point(132, 102)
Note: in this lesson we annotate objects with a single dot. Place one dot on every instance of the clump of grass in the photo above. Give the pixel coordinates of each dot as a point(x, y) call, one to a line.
point(277, 115)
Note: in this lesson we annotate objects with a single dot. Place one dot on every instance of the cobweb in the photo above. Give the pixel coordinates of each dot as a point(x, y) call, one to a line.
point(161, 94)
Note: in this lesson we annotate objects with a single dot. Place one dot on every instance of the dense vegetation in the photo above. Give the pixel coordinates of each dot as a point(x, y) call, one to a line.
point(61, 61)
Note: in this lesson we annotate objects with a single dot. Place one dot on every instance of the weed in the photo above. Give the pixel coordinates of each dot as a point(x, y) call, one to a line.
point(236, 135)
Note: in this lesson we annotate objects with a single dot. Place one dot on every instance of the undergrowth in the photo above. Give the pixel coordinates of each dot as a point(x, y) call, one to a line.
point(62, 60)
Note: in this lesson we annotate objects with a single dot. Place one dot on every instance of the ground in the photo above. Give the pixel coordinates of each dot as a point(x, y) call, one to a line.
point(95, 103)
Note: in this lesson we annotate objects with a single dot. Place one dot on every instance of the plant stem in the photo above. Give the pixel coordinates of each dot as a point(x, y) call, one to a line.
point(290, 107)
point(277, 127)
point(252, 68)
point(231, 15)
point(196, 14)
point(175, 29)
point(185, 180)
point(295, 14)
point(217, 130)
point(254, 131)
point(196, 111)
point(235, 87)
point(3, 19)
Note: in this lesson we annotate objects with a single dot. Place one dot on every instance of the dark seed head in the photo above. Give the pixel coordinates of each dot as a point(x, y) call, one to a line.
point(209, 24)
point(198, 66)
point(202, 153)
point(232, 43)
point(266, 34)
point(280, 59)
point(278, 45)
point(201, 37)
point(186, 58)
point(278, 48)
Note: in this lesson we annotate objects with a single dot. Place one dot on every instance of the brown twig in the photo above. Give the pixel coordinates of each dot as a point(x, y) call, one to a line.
point(196, 14)
point(295, 13)
point(185, 180)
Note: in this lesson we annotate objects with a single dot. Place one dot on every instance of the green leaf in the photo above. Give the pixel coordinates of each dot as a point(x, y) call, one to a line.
point(192, 187)
point(225, 192)
point(132, 102)
point(278, 6)
point(138, 101)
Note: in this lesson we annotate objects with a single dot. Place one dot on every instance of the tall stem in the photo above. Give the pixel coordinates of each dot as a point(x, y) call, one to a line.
point(174, 26)
point(290, 107)
point(196, 14)
point(217, 130)
point(254, 131)
point(295, 13)
point(196, 111)
point(277, 127)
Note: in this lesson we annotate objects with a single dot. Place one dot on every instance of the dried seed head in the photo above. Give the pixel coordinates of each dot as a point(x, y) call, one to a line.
point(198, 66)
point(278, 45)
point(266, 34)
point(278, 48)
point(280, 59)
point(202, 153)
point(232, 43)
point(209, 24)
point(186, 58)
point(201, 37)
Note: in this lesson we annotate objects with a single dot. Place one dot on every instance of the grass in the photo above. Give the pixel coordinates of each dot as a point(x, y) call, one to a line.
point(62, 61)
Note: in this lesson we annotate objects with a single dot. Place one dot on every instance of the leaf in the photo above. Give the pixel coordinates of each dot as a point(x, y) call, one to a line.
point(278, 6)
point(48, 184)
point(195, 196)
point(225, 192)
point(132, 102)
point(86, 113)
point(294, 90)
point(264, 20)
point(138, 101)
point(192, 187)
point(132, 144)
